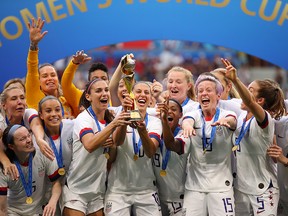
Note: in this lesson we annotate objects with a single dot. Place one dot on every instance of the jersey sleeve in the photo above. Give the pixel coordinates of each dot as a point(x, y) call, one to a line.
point(83, 125)
point(3, 184)
point(154, 128)
point(185, 142)
point(29, 115)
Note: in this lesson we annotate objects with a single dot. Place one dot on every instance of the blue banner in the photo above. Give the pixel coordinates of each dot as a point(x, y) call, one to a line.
point(256, 27)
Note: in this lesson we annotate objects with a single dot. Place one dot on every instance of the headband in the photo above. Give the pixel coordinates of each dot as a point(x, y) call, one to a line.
point(12, 132)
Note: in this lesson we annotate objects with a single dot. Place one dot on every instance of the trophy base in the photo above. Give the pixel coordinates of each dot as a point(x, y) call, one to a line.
point(135, 115)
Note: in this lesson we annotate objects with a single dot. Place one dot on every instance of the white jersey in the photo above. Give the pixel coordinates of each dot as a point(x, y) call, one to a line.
point(232, 105)
point(87, 171)
point(281, 132)
point(16, 196)
point(128, 176)
point(254, 166)
point(171, 186)
point(210, 172)
point(67, 142)
point(28, 116)
point(116, 110)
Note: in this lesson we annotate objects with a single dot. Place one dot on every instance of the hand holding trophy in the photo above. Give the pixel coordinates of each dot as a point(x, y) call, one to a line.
point(127, 68)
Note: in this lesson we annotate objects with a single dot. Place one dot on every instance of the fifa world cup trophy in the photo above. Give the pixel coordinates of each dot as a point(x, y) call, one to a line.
point(127, 68)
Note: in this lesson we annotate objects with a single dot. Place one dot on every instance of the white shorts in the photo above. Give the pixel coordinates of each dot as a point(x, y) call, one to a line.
point(81, 202)
point(212, 203)
point(262, 205)
point(139, 204)
point(171, 208)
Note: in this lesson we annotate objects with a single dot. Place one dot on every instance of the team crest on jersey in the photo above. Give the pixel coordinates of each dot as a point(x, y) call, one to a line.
point(108, 207)
point(70, 142)
point(219, 130)
point(41, 171)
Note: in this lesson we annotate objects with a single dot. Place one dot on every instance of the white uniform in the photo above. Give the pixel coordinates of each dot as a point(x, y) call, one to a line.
point(281, 132)
point(87, 171)
point(256, 182)
point(209, 177)
point(67, 142)
point(28, 116)
point(16, 197)
point(130, 182)
point(171, 186)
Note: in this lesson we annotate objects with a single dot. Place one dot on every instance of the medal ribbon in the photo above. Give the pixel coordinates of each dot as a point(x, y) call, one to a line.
point(27, 186)
point(106, 150)
point(243, 131)
point(8, 123)
point(166, 157)
point(58, 155)
point(213, 130)
point(136, 146)
point(185, 102)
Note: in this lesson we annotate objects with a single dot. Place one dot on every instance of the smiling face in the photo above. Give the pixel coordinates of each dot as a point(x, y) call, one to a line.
point(51, 114)
point(174, 114)
point(121, 90)
point(15, 103)
point(22, 141)
point(99, 95)
point(48, 80)
point(207, 95)
point(142, 95)
point(178, 86)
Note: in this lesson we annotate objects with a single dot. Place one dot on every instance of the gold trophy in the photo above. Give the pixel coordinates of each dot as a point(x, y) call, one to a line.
point(127, 68)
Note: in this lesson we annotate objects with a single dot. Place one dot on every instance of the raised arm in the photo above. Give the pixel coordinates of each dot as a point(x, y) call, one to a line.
point(171, 143)
point(70, 91)
point(247, 97)
point(32, 83)
point(92, 142)
point(150, 145)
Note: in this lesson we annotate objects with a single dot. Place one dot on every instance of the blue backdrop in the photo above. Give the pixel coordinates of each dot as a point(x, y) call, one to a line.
point(257, 27)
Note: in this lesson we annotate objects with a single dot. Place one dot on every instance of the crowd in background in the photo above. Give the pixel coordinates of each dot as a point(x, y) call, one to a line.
point(155, 58)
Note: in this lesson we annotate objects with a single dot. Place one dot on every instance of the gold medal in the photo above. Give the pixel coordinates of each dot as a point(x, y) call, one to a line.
point(107, 156)
point(135, 157)
point(235, 147)
point(29, 200)
point(204, 151)
point(61, 171)
point(163, 173)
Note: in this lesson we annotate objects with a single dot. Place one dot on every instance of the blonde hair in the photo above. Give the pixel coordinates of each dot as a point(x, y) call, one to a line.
point(233, 92)
point(189, 78)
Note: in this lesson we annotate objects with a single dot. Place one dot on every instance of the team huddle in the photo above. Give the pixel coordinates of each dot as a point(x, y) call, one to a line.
point(214, 147)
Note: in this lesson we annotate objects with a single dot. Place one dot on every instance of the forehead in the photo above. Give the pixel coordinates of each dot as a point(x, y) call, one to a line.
point(254, 85)
point(206, 84)
point(47, 69)
point(173, 104)
point(142, 86)
point(98, 73)
point(50, 102)
point(15, 92)
point(99, 84)
point(20, 132)
point(176, 75)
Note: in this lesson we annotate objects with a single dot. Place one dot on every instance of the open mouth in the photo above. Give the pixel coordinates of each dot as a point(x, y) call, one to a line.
point(170, 119)
point(142, 101)
point(104, 101)
point(205, 101)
